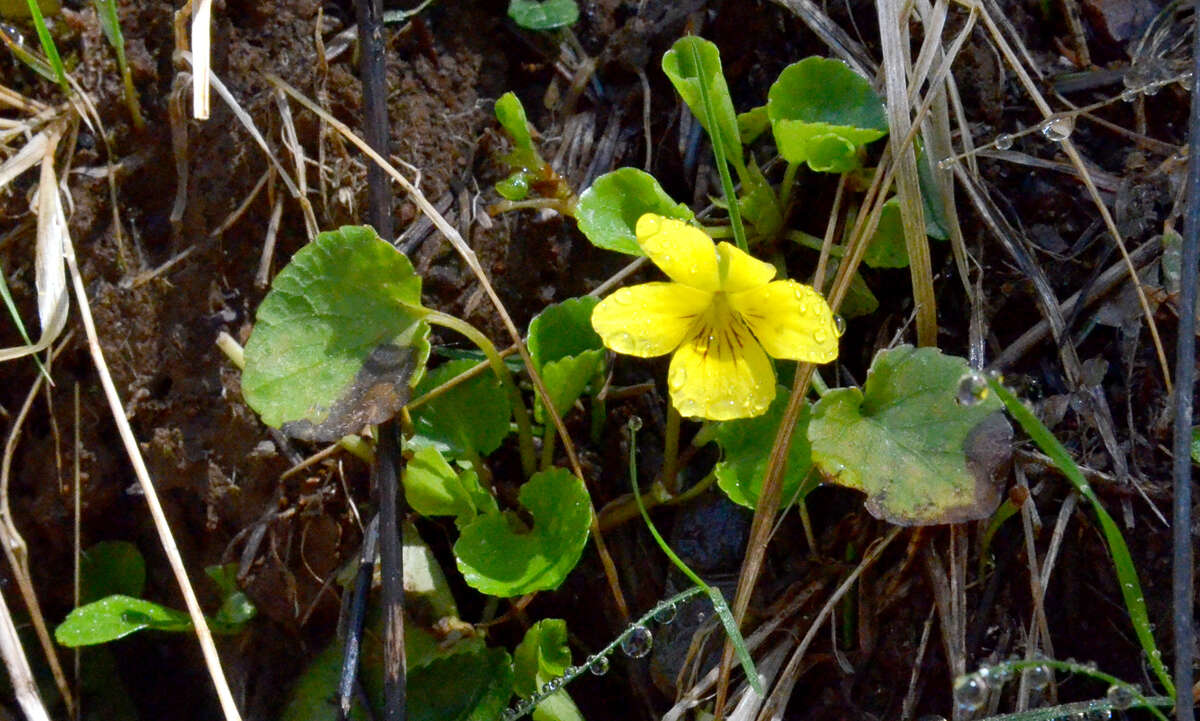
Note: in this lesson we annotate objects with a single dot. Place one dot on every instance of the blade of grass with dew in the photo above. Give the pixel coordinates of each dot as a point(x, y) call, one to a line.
point(48, 46)
point(714, 594)
point(1131, 588)
point(35, 62)
point(110, 24)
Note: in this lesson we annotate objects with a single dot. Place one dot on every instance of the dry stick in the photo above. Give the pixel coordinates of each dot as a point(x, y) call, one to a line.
point(468, 255)
point(211, 659)
point(1185, 369)
point(891, 18)
point(17, 551)
point(1077, 160)
point(373, 73)
point(78, 499)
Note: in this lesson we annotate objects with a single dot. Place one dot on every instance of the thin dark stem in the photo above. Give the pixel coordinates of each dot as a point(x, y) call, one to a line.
point(355, 620)
point(375, 115)
point(1185, 372)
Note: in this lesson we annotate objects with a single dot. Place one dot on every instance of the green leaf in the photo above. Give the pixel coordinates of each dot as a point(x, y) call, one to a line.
point(936, 224)
point(821, 112)
point(758, 202)
point(542, 656)
point(469, 419)
point(464, 687)
point(888, 249)
point(920, 454)
point(111, 568)
point(1195, 444)
point(433, 488)
point(115, 617)
point(680, 66)
point(339, 339)
point(499, 556)
point(566, 350)
point(524, 160)
point(511, 114)
point(423, 578)
point(608, 211)
point(859, 300)
point(752, 124)
point(236, 607)
point(746, 447)
point(543, 15)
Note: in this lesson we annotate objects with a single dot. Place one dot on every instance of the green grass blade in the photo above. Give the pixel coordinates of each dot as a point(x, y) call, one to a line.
point(48, 47)
point(12, 311)
point(106, 10)
point(1131, 588)
point(35, 62)
point(714, 594)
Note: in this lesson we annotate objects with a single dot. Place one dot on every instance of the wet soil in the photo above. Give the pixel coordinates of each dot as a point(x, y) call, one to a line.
point(162, 285)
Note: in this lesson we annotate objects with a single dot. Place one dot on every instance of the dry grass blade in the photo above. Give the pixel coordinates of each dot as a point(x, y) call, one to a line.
point(162, 526)
point(20, 675)
point(844, 46)
point(469, 257)
point(201, 50)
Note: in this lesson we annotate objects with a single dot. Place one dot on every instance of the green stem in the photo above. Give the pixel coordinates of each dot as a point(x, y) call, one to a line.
point(819, 384)
point(785, 190)
point(813, 242)
point(520, 412)
point(714, 134)
point(48, 47)
point(549, 445)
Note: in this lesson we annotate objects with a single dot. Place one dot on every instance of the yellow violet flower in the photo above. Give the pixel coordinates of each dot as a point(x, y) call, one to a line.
point(721, 316)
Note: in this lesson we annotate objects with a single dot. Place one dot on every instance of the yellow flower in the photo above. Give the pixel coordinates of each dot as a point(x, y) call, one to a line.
point(721, 317)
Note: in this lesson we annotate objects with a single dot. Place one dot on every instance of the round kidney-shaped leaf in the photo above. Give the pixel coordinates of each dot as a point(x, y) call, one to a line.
point(499, 557)
point(467, 419)
point(922, 450)
point(609, 209)
point(339, 339)
point(821, 112)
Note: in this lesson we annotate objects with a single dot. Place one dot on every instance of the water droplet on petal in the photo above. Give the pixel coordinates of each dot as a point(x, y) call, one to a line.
point(1004, 141)
point(666, 614)
point(820, 336)
point(1121, 695)
point(622, 343)
point(1058, 128)
point(638, 643)
point(970, 691)
point(598, 665)
point(839, 325)
point(1038, 677)
point(677, 378)
point(972, 388)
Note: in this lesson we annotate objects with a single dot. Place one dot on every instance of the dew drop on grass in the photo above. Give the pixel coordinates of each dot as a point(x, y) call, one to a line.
point(666, 614)
point(972, 388)
point(638, 643)
point(1038, 677)
point(839, 325)
point(1003, 673)
point(1101, 714)
point(1130, 94)
point(1003, 141)
point(598, 665)
point(945, 164)
point(1121, 696)
point(970, 691)
point(1058, 128)
point(635, 423)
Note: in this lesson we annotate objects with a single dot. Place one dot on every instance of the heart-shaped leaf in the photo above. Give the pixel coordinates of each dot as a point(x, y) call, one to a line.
point(821, 112)
point(433, 488)
point(746, 447)
point(468, 419)
point(542, 656)
point(566, 350)
point(339, 339)
point(923, 450)
point(500, 557)
point(609, 209)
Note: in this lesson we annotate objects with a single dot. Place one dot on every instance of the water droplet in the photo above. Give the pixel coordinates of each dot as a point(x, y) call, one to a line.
point(1003, 141)
point(1121, 695)
point(508, 715)
point(1130, 94)
point(666, 614)
point(635, 423)
point(1152, 89)
point(1038, 677)
point(621, 297)
point(622, 343)
point(1058, 128)
point(820, 336)
point(945, 163)
point(1101, 714)
point(687, 407)
point(598, 665)
point(970, 691)
point(839, 325)
point(552, 685)
point(972, 388)
point(677, 378)
point(638, 643)
point(1003, 673)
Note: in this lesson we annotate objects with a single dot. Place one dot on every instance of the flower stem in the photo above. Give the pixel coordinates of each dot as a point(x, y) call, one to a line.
point(519, 411)
point(789, 182)
point(671, 451)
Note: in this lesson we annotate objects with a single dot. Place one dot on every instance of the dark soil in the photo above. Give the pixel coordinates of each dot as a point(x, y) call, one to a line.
point(218, 469)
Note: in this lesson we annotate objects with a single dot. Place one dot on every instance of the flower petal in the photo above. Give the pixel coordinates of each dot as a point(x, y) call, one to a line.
point(721, 373)
point(742, 271)
point(649, 319)
point(682, 251)
point(790, 319)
